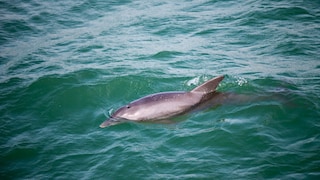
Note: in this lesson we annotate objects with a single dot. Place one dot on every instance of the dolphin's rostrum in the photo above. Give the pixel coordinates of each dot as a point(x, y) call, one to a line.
point(166, 105)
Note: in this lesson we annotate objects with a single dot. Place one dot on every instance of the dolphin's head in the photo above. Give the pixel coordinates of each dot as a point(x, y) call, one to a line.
point(127, 112)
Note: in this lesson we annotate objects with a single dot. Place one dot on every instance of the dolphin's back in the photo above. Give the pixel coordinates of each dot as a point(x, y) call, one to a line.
point(164, 105)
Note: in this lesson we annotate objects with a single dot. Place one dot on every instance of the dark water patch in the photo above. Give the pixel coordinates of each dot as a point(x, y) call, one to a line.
point(65, 43)
point(42, 18)
point(283, 13)
point(12, 7)
point(208, 31)
point(171, 31)
point(208, 6)
point(263, 14)
point(94, 9)
point(28, 63)
point(70, 23)
point(181, 64)
point(90, 48)
point(273, 84)
point(88, 9)
point(9, 169)
point(168, 28)
point(166, 54)
point(10, 85)
point(12, 28)
point(293, 47)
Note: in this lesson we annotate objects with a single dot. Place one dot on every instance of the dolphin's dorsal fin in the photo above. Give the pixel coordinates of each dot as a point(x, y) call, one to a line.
point(209, 86)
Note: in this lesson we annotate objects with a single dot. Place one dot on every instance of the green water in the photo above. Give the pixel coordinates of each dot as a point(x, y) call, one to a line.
point(66, 65)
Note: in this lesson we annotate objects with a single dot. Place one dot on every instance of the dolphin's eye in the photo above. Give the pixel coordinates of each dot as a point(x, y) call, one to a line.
point(128, 107)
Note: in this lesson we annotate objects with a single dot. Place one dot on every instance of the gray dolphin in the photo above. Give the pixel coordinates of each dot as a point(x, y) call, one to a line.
point(167, 105)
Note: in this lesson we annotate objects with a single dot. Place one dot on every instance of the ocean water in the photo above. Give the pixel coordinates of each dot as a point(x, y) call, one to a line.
point(66, 65)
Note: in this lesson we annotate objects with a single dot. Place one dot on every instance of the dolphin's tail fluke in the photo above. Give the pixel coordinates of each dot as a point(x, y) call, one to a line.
point(209, 86)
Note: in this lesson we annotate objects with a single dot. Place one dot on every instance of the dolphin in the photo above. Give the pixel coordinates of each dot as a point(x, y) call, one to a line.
point(163, 106)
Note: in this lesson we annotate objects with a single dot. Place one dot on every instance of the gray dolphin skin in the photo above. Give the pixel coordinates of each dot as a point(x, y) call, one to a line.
point(167, 105)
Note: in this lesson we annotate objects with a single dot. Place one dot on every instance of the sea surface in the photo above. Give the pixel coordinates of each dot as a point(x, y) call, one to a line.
point(65, 66)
